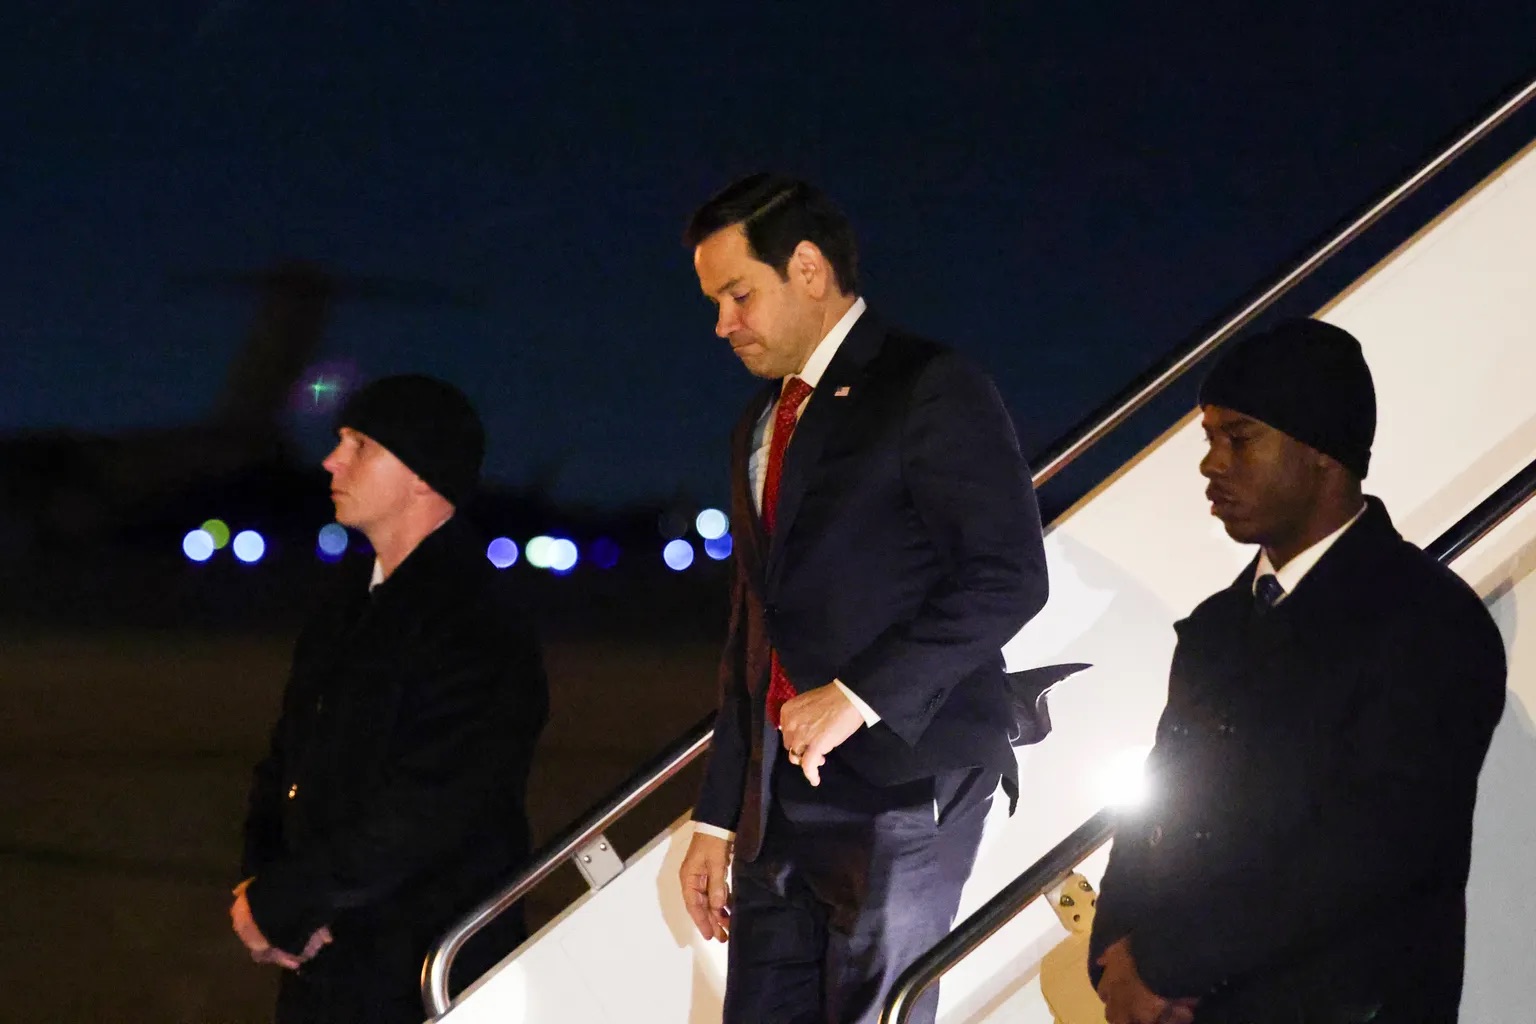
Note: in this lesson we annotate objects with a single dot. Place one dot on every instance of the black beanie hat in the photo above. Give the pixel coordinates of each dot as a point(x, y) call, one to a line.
point(1307, 379)
point(428, 424)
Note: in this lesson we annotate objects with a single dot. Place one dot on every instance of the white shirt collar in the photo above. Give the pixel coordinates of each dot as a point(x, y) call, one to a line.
point(1291, 575)
point(827, 347)
point(378, 575)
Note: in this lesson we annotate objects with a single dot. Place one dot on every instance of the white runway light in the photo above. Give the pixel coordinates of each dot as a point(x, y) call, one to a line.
point(678, 554)
point(711, 524)
point(249, 546)
point(198, 545)
point(562, 555)
point(538, 551)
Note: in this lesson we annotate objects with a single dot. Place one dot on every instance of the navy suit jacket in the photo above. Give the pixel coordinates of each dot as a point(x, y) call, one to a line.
point(907, 552)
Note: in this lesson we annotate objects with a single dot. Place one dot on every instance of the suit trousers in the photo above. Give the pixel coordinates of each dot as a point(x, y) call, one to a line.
point(852, 884)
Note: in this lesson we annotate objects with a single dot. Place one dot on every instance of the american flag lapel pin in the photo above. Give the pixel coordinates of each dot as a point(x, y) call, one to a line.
point(841, 392)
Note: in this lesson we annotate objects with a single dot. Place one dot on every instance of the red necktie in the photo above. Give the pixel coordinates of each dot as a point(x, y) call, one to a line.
point(795, 392)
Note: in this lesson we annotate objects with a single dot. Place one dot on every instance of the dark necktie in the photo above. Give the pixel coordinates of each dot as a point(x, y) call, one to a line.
point(795, 392)
point(1267, 592)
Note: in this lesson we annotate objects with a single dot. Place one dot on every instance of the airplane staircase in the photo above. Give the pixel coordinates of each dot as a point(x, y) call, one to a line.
point(1448, 323)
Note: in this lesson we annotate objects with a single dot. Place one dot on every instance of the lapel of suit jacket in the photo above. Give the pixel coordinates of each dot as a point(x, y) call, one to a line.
point(1323, 616)
point(1342, 591)
point(751, 537)
point(822, 412)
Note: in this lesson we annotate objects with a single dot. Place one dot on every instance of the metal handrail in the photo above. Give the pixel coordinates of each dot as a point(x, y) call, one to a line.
point(1488, 514)
point(1066, 855)
point(650, 776)
point(434, 971)
point(1149, 386)
point(1036, 881)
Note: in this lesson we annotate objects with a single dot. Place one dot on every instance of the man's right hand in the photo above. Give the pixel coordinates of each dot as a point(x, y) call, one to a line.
point(1128, 1000)
point(262, 951)
point(705, 893)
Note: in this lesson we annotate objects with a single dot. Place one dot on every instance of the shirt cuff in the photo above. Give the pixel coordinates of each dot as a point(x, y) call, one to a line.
point(699, 828)
point(870, 715)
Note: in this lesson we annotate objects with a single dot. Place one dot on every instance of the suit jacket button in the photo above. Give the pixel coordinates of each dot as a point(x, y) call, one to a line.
point(293, 791)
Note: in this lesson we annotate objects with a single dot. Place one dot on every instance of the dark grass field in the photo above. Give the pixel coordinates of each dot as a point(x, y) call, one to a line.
point(124, 758)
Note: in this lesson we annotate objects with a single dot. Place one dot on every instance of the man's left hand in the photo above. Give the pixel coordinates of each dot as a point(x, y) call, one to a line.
point(813, 724)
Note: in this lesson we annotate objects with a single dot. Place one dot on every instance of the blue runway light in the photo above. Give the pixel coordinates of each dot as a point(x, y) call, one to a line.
point(332, 542)
point(198, 545)
point(502, 552)
point(712, 524)
point(718, 548)
point(249, 546)
point(678, 554)
point(604, 553)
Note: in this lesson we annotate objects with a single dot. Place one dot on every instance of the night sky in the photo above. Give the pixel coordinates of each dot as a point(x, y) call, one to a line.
point(1064, 195)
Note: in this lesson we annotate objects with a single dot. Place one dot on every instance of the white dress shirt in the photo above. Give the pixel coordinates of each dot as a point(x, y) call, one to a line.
point(762, 434)
point(1290, 575)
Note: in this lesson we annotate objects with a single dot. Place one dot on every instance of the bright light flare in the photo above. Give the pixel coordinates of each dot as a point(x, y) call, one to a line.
point(321, 390)
point(718, 548)
point(1122, 780)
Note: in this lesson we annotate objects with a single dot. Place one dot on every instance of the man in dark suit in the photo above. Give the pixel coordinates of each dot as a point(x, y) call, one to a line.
point(883, 557)
point(393, 798)
point(1304, 855)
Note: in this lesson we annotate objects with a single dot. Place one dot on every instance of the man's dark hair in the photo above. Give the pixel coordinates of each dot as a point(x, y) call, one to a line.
point(778, 213)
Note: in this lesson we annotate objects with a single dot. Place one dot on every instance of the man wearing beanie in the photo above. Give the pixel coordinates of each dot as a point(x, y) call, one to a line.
point(1304, 854)
point(393, 798)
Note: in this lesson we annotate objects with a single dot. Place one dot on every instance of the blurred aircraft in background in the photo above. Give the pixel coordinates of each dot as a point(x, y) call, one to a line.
point(67, 487)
